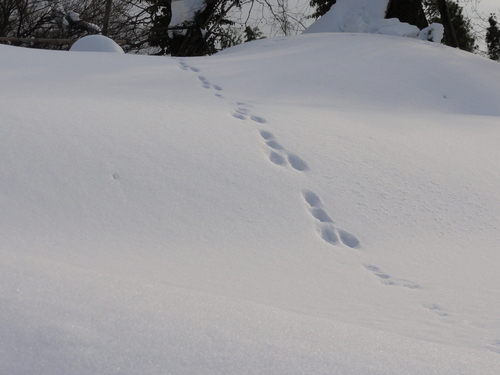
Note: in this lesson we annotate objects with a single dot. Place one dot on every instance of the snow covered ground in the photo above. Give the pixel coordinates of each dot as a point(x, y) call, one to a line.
point(319, 204)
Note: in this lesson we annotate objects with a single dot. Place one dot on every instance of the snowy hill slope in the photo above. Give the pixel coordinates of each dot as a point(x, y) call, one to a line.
point(323, 204)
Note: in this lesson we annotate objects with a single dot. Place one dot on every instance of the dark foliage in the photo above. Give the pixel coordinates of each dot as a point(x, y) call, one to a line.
point(461, 24)
point(409, 11)
point(493, 38)
point(321, 6)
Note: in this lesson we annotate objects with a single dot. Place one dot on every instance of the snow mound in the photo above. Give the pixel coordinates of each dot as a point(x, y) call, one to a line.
point(350, 16)
point(368, 16)
point(444, 84)
point(96, 43)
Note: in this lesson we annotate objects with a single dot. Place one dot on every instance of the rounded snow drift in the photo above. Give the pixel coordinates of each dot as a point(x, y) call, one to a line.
point(96, 43)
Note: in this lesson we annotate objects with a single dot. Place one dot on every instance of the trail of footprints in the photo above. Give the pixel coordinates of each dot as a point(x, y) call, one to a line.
point(388, 280)
point(242, 112)
point(282, 157)
point(323, 223)
point(277, 154)
point(205, 83)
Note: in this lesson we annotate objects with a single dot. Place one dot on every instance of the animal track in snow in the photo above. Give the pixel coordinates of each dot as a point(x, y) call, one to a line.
point(297, 163)
point(388, 280)
point(321, 215)
point(326, 227)
point(348, 239)
point(277, 159)
point(494, 347)
point(266, 135)
point(205, 83)
point(278, 153)
point(183, 65)
point(242, 112)
point(328, 234)
point(239, 115)
point(435, 309)
point(274, 144)
point(258, 119)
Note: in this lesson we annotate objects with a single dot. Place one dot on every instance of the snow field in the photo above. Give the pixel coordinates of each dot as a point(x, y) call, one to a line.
point(318, 204)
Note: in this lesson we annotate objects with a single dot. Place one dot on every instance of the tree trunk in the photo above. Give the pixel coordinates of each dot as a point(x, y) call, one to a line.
point(451, 36)
point(107, 12)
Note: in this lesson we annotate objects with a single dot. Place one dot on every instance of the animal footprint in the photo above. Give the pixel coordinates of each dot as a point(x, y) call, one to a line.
point(388, 280)
point(185, 66)
point(239, 115)
point(494, 347)
point(204, 82)
point(311, 198)
point(258, 119)
point(297, 163)
point(325, 225)
point(266, 135)
point(277, 149)
point(277, 159)
point(435, 309)
point(321, 215)
point(273, 143)
point(348, 239)
point(328, 234)
point(384, 278)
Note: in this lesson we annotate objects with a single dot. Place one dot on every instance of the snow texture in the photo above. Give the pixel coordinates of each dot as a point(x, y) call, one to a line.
point(318, 204)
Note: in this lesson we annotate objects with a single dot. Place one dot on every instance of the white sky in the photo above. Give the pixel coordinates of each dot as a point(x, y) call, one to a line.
point(489, 6)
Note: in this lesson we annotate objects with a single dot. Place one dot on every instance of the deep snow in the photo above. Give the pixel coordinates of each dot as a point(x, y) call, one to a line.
point(325, 203)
